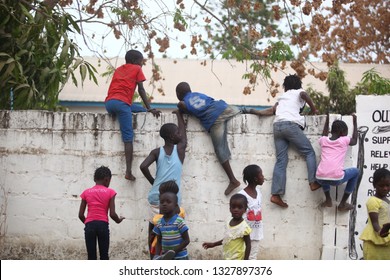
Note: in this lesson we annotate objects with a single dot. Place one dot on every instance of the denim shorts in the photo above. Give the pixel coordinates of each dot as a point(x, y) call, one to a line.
point(124, 114)
point(218, 133)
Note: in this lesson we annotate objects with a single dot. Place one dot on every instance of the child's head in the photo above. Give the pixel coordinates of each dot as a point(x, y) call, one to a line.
point(168, 203)
point(238, 205)
point(170, 132)
point(381, 182)
point(182, 89)
point(169, 186)
point(102, 176)
point(292, 82)
point(339, 128)
point(134, 57)
point(253, 175)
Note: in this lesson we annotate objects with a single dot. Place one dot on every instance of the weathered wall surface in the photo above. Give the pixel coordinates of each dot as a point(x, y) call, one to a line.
point(48, 158)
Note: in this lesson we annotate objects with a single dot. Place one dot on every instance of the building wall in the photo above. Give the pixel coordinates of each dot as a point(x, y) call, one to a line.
point(221, 79)
point(48, 158)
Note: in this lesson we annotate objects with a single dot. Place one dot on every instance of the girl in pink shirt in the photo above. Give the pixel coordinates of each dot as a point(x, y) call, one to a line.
point(99, 199)
point(331, 171)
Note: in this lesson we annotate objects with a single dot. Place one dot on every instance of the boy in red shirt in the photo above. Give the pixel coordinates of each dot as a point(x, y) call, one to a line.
point(126, 79)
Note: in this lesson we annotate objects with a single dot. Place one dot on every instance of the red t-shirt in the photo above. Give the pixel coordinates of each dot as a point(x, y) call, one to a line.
point(98, 201)
point(124, 82)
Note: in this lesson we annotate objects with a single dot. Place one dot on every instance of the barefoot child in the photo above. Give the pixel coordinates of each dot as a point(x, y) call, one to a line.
point(288, 129)
point(375, 236)
point(331, 171)
point(99, 199)
point(213, 115)
point(253, 177)
point(119, 101)
point(237, 242)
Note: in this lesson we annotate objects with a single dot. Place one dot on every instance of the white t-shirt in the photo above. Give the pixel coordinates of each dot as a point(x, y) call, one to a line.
point(253, 215)
point(289, 106)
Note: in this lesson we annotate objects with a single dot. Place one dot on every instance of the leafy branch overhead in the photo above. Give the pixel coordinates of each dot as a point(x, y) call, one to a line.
point(39, 51)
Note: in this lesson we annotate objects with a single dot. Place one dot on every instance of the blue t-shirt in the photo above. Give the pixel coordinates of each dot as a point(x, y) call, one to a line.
point(205, 108)
point(171, 234)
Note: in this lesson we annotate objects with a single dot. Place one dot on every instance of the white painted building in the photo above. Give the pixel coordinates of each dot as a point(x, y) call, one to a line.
point(220, 79)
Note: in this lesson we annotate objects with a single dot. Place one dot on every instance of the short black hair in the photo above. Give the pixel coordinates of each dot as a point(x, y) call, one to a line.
point(250, 172)
point(379, 174)
point(292, 82)
point(182, 89)
point(101, 173)
point(167, 129)
point(133, 57)
point(240, 196)
point(339, 126)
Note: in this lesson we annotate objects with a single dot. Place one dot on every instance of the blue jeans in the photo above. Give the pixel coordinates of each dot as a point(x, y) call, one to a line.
point(97, 231)
point(218, 133)
point(350, 175)
point(287, 132)
point(124, 114)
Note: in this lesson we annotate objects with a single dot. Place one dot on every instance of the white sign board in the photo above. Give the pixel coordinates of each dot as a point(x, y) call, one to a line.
point(373, 152)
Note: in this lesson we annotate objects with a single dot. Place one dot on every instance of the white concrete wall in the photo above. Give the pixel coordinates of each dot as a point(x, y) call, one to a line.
point(48, 158)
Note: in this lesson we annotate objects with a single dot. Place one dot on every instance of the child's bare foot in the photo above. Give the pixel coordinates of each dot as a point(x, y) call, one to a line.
point(345, 207)
point(327, 203)
point(277, 200)
point(314, 186)
point(231, 187)
point(130, 177)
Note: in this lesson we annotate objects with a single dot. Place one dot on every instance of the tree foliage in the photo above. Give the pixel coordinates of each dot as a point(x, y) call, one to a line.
point(341, 99)
point(36, 56)
point(267, 35)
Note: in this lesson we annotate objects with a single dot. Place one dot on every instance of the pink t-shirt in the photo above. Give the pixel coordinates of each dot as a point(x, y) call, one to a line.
point(333, 153)
point(98, 202)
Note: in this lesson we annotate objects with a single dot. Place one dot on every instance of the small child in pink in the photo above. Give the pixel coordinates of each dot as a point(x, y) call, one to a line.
point(330, 171)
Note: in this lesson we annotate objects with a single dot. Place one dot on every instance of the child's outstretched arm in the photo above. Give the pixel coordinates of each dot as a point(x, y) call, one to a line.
point(208, 245)
point(354, 137)
point(325, 131)
point(182, 145)
point(142, 93)
point(152, 157)
point(113, 213)
point(307, 99)
point(247, 240)
point(265, 112)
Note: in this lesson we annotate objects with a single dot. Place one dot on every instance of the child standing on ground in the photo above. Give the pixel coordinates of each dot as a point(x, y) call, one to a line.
point(236, 242)
point(169, 186)
point(331, 171)
point(126, 79)
point(99, 199)
point(375, 236)
point(213, 115)
point(169, 161)
point(171, 230)
point(253, 177)
point(288, 129)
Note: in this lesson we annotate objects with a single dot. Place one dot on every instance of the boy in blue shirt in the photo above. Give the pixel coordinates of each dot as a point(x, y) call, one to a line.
point(213, 115)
